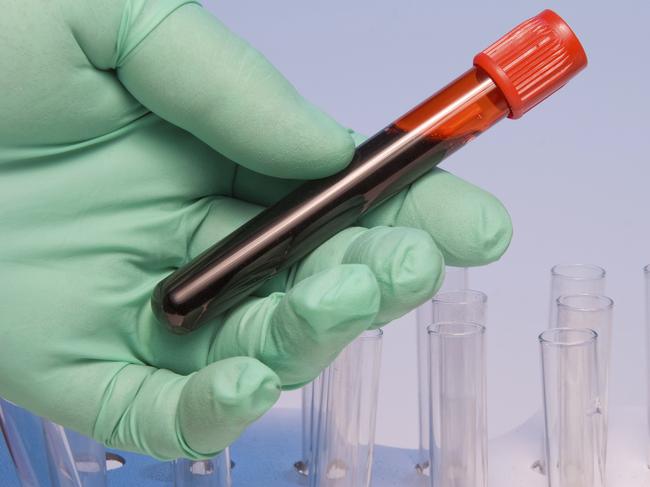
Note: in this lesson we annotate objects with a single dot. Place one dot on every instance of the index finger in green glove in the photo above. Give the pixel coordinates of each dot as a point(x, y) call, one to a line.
point(226, 93)
point(255, 117)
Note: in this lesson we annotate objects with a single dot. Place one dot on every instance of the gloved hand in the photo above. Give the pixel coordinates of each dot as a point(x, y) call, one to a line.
point(133, 135)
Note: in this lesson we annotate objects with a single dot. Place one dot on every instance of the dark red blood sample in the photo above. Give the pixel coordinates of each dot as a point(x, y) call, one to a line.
point(528, 64)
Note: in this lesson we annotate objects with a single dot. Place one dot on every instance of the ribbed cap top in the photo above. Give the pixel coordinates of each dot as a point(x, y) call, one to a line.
point(533, 60)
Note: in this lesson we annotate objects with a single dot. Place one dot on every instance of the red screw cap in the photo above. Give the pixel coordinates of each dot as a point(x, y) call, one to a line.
point(533, 60)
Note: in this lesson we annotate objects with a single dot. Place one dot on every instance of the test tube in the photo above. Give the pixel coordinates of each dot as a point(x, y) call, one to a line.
point(574, 279)
point(74, 459)
point(646, 274)
point(344, 431)
point(510, 77)
point(569, 279)
point(572, 408)
point(45, 453)
point(453, 305)
point(592, 312)
point(458, 431)
point(310, 404)
point(23, 434)
point(215, 472)
point(307, 394)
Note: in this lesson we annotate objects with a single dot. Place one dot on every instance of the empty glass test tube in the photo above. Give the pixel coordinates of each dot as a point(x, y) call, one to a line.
point(453, 305)
point(23, 434)
point(74, 459)
point(595, 313)
point(310, 404)
point(311, 401)
point(458, 423)
point(307, 395)
point(569, 279)
point(574, 279)
point(46, 454)
point(344, 431)
point(215, 472)
point(572, 408)
point(307, 407)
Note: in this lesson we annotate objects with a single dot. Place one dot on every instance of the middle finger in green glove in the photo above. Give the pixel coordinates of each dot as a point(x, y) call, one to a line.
point(358, 279)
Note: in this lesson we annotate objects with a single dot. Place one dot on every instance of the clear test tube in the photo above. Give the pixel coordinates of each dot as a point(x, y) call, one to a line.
point(215, 472)
point(23, 434)
point(45, 453)
point(344, 432)
point(310, 404)
point(311, 394)
point(592, 312)
point(307, 394)
point(456, 278)
point(569, 279)
point(74, 459)
point(574, 279)
point(460, 305)
point(572, 408)
point(458, 431)
point(646, 275)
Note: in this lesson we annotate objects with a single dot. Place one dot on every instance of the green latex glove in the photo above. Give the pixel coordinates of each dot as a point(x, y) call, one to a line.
point(133, 135)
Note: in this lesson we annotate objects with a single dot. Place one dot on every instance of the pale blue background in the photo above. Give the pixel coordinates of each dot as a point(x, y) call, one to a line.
point(573, 174)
